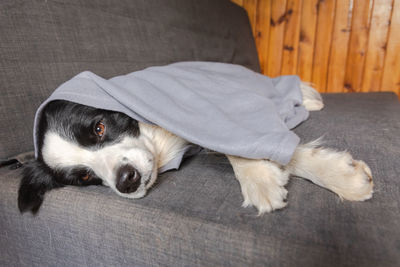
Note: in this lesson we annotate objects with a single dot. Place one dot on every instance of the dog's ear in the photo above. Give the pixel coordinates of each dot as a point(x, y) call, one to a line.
point(36, 181)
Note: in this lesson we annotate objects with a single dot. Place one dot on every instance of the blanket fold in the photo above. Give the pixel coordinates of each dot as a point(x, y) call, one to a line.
point(223, 107)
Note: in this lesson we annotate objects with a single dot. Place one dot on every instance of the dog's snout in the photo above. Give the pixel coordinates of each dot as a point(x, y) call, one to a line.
point(128, 179)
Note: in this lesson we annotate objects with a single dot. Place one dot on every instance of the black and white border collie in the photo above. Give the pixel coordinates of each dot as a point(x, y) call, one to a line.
point(80, 145)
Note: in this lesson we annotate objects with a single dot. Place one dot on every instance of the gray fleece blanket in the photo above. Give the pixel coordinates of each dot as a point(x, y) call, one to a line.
point(223, 107)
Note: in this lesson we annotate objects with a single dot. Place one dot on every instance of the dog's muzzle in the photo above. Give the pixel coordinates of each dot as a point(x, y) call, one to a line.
point(128, 179)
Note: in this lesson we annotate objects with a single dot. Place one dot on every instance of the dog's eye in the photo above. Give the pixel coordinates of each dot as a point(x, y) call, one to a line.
point(86, 177)
point(99, 129)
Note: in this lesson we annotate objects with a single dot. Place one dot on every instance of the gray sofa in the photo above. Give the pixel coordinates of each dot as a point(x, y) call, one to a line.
point(192, 216)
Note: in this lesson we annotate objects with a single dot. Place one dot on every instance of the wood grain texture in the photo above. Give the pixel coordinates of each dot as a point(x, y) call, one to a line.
point(391, 73)
point(326, 15)
point(276, 36)
point(377, 43)
point(291, 38)
point(339, 45)
point(358, 45)
point(308, 25)
point(263, 19)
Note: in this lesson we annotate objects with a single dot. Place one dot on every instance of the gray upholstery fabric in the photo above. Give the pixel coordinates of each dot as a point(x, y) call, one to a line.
point(193, 217)
point(44, 43)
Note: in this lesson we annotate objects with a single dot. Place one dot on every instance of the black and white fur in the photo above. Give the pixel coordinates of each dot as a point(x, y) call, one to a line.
point(80, 145)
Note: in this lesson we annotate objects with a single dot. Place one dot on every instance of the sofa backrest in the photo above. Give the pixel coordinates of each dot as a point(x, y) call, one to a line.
point(46, 42)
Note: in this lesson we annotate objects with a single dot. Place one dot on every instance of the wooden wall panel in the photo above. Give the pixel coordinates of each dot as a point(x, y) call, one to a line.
point(263, 25)
point(377, 42)
point(291, 38)
point(326, 16)
point(276, 36)
point(308, 25)
point(358, 45)
point(339, 45)
point(391, 70)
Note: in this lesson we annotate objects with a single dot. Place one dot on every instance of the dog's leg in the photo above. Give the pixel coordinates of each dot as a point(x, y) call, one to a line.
point(262, 183)
point(337, 171)
point(312, 100)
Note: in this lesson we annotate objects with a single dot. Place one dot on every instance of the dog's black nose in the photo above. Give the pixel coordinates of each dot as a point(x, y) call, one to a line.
point(128, 179)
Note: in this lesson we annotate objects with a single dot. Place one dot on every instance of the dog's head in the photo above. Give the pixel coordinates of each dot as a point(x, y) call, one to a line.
point(81, 145)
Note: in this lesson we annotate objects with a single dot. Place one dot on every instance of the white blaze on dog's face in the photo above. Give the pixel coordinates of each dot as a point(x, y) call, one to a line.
point(83, 145)
point(128, 158)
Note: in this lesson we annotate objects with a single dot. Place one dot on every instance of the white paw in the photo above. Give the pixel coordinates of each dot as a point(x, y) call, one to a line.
point(337, 171)
point(313, 105)
point(356, 181)
point(263, 196)
point(262, 184)
point(312, 100)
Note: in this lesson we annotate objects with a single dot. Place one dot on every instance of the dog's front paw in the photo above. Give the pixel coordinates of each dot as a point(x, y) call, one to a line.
point(262, 183)
point(355, 182)
point(349, 178)
point(337, 171)
point(263, 196)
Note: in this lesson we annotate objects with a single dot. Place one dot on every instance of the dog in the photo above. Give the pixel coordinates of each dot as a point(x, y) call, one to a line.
point(80, 145)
